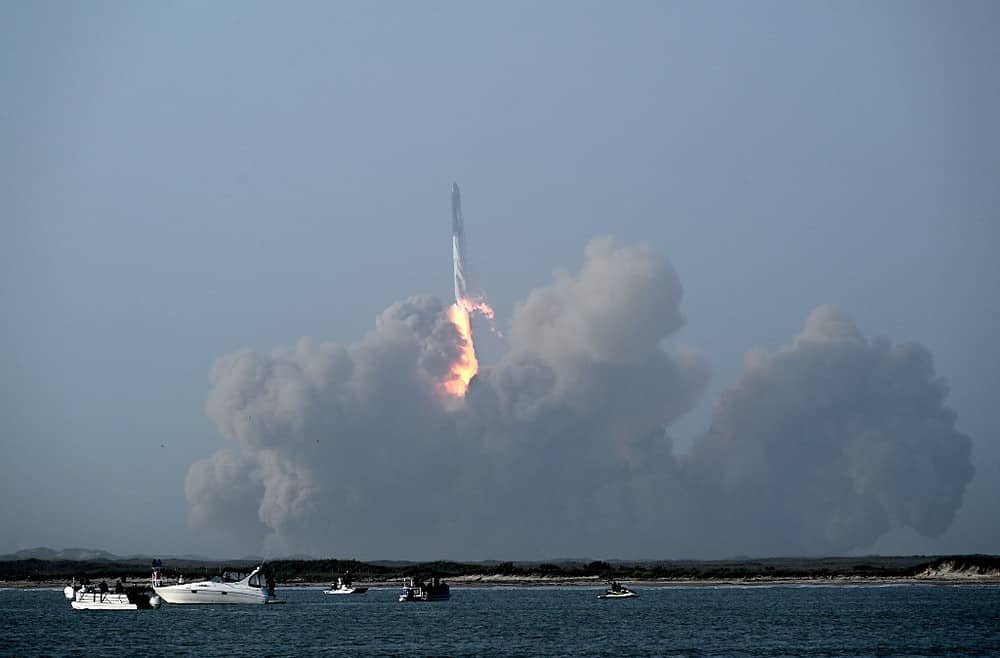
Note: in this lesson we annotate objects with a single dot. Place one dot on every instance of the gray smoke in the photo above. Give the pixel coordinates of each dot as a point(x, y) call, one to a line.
point(330, 439)
point(831, 441)
point(561, 448)
point(576, 410)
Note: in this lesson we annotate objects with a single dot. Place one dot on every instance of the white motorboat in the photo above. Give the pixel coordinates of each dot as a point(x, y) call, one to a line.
point(617, 591)
point(345, 586)
point(94, 597)
point(229, 588)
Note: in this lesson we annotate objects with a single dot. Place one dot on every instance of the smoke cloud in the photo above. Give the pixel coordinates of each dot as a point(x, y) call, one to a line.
point(561, 448)
point(830, 442)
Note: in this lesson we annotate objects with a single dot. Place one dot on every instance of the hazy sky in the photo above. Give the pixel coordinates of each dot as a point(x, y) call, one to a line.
point(181, 181)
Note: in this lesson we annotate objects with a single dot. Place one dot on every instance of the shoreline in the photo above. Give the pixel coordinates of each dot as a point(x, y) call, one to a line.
point(530, 582)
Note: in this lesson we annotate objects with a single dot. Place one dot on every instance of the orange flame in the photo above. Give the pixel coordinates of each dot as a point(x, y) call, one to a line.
point(479, 307)
point(466, 366)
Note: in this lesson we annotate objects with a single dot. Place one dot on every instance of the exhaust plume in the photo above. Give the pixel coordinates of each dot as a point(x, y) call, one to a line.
point(468, 300)
point(466, 365)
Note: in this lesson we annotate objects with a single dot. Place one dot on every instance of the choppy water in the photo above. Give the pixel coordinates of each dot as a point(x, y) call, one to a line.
point(910, 620)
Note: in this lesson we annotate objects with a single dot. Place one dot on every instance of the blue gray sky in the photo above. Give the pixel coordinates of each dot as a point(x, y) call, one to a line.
point(182, 181)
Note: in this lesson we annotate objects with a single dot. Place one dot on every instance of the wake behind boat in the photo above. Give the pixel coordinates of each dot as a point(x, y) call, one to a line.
point(229, 588)
point(617, 591)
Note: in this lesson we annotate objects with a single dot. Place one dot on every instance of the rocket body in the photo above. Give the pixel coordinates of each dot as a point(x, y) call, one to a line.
point(458, 245)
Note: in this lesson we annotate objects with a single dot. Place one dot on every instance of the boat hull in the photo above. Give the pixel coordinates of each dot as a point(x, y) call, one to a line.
point(624, 595)
point(345, 592)
point(194, 594)
point(424, 596)
point(132, 599)
point(98, 601)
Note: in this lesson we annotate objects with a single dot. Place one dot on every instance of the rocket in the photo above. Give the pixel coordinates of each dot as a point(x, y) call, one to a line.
point(458, 245)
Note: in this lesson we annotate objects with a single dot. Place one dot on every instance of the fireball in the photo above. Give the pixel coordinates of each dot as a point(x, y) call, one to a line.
point(466, 365)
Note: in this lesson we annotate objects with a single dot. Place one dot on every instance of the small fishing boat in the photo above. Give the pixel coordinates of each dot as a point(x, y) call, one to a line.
point(100, 597)
point(345, 586)
point(415, 589)
point(617, 591)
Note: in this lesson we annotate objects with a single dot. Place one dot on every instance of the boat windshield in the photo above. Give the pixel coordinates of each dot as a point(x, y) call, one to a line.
point(229, 577)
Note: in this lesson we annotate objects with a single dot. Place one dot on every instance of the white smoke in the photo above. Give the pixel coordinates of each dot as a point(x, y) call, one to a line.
point(561, 448)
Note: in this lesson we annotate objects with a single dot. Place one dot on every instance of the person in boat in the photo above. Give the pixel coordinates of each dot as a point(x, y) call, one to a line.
point(103, 588)
point(119, 586)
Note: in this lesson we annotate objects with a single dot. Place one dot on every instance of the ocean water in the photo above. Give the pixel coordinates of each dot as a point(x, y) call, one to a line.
point(905, 620)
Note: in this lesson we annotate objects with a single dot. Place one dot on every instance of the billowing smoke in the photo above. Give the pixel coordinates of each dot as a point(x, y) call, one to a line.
point(831, 441)
point(330, 439)
point(561, 448)
point(571, 417)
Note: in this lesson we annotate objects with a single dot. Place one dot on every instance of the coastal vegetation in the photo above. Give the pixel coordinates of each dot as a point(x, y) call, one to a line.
point(14, 568)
